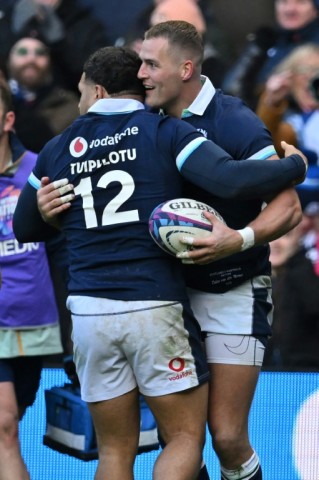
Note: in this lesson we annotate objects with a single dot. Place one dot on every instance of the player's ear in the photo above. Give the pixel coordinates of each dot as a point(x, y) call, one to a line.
point(9, 121)
point(100, 92)
point(187, 70)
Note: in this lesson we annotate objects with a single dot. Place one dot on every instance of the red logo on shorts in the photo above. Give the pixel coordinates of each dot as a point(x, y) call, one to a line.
point(177, 364)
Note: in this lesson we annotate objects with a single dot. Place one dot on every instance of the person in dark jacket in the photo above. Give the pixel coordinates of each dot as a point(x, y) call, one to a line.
point(42, 108)
point(297, 23)
point(294, 344)
point(68, 28)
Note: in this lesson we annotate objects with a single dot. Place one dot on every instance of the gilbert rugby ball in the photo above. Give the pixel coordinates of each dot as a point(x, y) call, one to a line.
point(179, 217)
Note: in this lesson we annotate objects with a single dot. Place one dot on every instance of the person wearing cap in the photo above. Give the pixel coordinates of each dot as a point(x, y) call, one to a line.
point(66, 26)
point(43, 109)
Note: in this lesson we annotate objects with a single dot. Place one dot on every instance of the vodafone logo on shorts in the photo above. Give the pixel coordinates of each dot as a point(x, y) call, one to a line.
point(78, 147)
point(177, 364)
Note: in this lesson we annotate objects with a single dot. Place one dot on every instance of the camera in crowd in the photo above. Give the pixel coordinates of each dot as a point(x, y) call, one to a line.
point(314, 87)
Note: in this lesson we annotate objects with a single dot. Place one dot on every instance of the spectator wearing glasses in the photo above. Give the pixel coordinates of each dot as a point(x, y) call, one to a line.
point(68, 28)
point(42, 108)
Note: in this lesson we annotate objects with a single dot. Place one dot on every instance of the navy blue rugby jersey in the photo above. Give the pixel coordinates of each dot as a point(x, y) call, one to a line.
point(123, 162)
point(236, 129)
point(120, 174)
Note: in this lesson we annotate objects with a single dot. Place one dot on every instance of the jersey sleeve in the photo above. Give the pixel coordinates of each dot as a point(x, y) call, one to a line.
point(211, 168)
point(205, 164)
point(28, 225)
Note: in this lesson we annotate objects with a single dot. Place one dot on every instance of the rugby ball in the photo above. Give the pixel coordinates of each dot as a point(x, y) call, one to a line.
point(179, 217)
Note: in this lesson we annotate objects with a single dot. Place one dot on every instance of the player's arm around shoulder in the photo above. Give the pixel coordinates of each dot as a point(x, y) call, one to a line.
point(282, 212)
point(292, 150)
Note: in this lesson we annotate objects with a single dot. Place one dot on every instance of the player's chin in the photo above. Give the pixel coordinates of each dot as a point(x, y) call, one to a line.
point(150, 99)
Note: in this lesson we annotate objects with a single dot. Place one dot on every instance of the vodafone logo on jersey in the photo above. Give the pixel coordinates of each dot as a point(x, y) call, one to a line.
point(78, 147)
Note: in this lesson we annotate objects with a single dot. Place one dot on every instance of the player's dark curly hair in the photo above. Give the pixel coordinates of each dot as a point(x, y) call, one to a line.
point(115, 68)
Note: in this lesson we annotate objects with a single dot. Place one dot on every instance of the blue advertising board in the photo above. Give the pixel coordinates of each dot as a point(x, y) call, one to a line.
point(284, 425)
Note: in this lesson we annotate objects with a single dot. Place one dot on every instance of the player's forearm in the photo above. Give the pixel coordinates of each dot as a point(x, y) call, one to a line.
point(28, 226)
point(213, 170)
point(279, 216)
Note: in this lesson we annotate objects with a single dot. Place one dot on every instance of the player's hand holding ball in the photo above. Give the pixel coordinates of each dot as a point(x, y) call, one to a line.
point(192, 231)
point(221, 242)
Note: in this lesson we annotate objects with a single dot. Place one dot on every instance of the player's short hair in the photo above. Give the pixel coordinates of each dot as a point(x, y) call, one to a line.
point(5, 97)
point(115, 68)
point(181, 34)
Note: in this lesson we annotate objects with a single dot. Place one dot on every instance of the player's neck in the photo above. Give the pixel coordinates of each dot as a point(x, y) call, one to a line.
point(128, 95)
point(187, 96)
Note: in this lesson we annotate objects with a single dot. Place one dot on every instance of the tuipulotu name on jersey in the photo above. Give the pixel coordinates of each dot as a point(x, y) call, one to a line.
point(113, 158)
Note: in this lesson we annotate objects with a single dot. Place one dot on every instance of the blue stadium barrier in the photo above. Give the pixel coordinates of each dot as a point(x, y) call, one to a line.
point(284, 425)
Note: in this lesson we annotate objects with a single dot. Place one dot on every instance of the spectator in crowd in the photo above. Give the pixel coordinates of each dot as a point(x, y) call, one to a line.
point(105, 77)
point(42, 109)
point(68, 28)
point(56, 249)
point(29, 328)
point(214, 63)
point(297, 23)
point(289, 105)
point(294, 343)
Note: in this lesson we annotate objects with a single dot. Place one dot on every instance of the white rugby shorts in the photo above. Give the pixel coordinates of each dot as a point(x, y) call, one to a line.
point(118, 345)
point(244, 313)
point(234, 349)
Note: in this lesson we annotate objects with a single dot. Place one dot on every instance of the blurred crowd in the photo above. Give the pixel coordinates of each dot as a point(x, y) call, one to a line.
point(44, 43)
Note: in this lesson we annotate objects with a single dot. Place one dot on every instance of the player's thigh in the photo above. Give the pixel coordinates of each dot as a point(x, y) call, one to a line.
point(117, 421)
point(181, 413)
point(231, 392)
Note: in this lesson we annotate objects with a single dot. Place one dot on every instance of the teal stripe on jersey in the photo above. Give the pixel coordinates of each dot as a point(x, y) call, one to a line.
point(34, 181)
point(264, 153)
point(188, 150)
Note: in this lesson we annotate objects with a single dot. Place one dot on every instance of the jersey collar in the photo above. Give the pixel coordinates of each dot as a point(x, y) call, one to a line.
point(202, 100)
point(115, 105)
